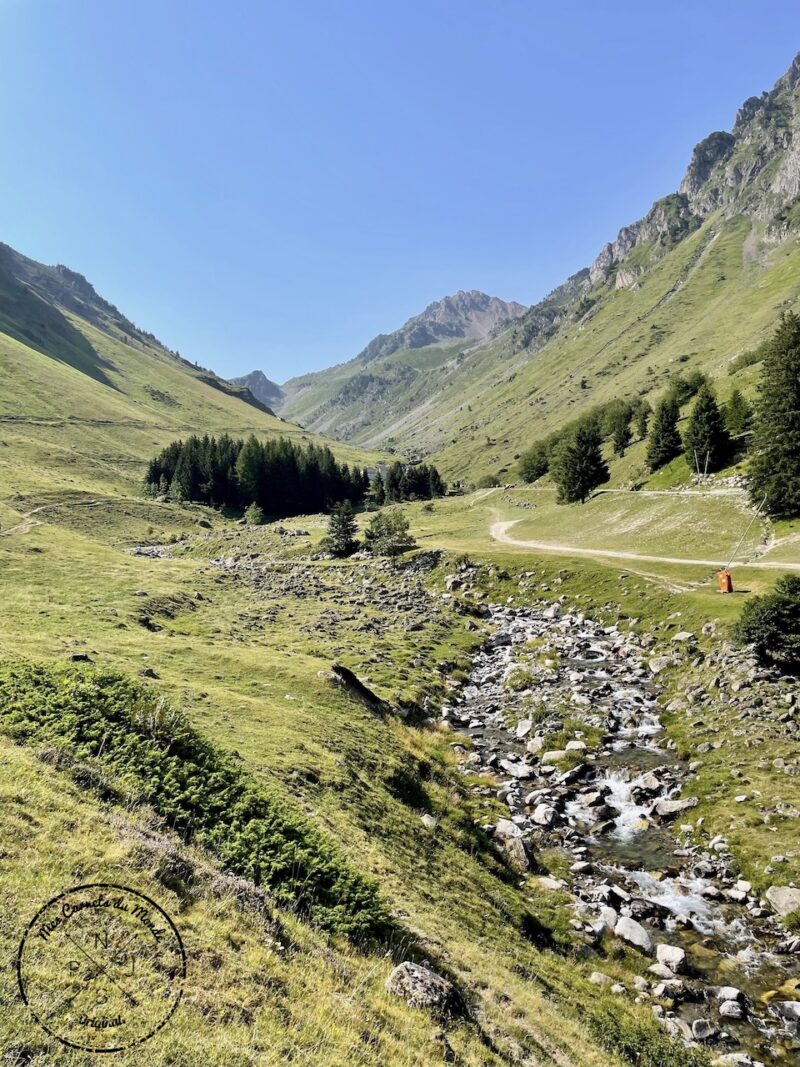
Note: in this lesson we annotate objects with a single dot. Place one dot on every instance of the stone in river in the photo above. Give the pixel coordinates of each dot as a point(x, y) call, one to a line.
point(703, 1030)
point(730, 1009)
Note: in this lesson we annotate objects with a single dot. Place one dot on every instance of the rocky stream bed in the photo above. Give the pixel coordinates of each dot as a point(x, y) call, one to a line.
point(718, 967)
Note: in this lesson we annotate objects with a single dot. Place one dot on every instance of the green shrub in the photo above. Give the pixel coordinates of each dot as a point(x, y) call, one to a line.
point(254, 515)
point(520, 679)
point(388, 534)
point(772, 624)
point(535, 463)
point(747, 359)
point(488, 481)
point(100, 716)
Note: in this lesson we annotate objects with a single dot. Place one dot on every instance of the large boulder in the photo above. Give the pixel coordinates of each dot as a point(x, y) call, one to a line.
point(509, 840)
point(634, 933)
point(671, 956)
point(423, 988)
point(667, 809)
point(783, 899)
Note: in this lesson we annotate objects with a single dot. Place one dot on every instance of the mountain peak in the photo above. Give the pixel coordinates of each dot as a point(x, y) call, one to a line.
point(753, 170)
point(262, 387)
point(467, 314)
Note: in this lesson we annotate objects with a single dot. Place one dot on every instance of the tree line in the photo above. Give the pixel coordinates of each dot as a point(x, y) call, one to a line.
point(713, 435)
point(278, 477)
point(406, 481)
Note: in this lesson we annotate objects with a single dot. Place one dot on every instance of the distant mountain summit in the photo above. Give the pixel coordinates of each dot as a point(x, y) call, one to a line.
point(464, 315)
point(395, 369)
point(262, 388)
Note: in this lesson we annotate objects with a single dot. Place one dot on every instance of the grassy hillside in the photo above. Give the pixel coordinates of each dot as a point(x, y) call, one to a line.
point(85, 403)
point(245, 650)
point(716, 294)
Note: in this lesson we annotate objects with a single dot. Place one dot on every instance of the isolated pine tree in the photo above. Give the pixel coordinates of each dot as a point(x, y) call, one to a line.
point(738, 414)
point(775, 467)
point(577, 465)
point(341, 539)
point(706, 443)
point(663, 441)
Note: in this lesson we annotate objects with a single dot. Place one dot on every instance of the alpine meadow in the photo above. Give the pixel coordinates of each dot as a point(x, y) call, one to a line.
point(436, 706)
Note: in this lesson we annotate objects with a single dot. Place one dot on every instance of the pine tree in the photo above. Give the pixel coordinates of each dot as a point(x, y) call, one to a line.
point(341, 539)
point(738, 414)
point(378, 491)
point(641, 417)
point(577, 465)
point(706, 443)
point(436, 486)
point(620, 427)
point(535, 463)
point(249, 471)
point(664, 441)
point(775, 468)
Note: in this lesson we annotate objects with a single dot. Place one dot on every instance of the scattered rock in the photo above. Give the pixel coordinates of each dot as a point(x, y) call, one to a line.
point(784, 899)
point(422, 988)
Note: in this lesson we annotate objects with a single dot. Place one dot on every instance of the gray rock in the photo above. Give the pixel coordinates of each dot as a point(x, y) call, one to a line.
point(729, 992)
point(788, 1010)
point(703, 1030)
point(634, 933)
point(422, 988)
point(730, 1009)
point(666, 809)
point(671, 956)
point(783, 899)
point(659, 663)
point(544, 815)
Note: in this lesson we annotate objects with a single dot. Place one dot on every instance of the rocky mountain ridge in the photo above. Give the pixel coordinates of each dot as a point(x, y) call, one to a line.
point(469, 314)
point(728, 229)
point(262, 388)
point(753, 170)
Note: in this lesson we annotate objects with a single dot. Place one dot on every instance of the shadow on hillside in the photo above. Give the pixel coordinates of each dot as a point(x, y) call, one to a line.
point(27, 318)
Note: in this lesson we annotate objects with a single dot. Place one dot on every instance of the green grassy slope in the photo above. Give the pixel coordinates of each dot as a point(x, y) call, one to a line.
point(714, 295)
point(84, 403)
point(246, 651)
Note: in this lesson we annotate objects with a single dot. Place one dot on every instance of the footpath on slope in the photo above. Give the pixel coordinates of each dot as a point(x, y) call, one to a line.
point(499, 532)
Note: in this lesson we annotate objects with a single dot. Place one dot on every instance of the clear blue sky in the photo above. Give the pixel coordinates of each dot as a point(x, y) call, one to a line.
point(270, 184)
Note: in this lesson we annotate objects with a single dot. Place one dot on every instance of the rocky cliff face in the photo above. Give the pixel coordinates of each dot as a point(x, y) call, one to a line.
point(464, 315)
point(262, 388)
point(753, 170)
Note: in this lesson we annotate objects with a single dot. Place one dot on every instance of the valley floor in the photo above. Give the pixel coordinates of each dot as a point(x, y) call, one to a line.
point(240, 627)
